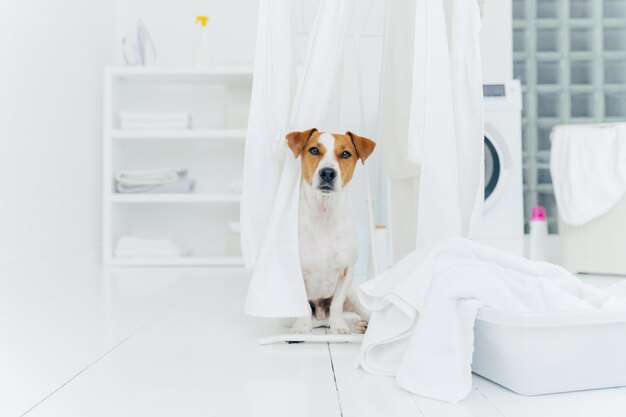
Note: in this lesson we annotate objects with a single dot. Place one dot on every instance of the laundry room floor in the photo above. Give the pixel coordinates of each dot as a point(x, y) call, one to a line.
point(79, 340)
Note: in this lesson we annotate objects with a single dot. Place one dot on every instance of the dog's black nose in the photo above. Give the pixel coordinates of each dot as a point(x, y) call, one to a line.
point(328, 174)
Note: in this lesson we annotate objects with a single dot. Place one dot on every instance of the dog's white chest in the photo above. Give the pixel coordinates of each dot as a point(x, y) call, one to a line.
point(328, 244)
point(322, 249)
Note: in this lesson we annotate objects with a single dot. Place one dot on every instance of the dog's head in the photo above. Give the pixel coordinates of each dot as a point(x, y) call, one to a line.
point(329, 159)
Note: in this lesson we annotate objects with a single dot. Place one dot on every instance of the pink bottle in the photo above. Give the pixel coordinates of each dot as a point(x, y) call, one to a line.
point(538, 233)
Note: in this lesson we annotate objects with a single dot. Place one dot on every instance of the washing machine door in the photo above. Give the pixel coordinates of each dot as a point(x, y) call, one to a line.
point(497, 167)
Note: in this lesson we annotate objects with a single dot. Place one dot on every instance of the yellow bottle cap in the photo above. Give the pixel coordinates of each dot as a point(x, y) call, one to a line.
point(202, 19)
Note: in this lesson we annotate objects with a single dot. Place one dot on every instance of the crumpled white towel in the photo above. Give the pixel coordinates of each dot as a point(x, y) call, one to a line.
point(588, 168)
point(424, 307)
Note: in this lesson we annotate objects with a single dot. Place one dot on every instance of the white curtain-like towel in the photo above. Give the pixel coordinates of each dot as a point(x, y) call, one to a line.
point(588, 168)
point(270, 105)
point(424, 308)
point(467, 88)
point(271, 181)
point(432, 119)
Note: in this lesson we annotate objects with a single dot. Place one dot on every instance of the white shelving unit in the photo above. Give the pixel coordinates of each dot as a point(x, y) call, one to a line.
point(212, 152)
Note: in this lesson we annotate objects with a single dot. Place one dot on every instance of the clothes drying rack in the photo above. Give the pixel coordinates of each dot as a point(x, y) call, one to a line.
point(344, 338)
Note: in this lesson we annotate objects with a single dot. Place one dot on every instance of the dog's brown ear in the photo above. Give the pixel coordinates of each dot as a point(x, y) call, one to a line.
point(364, 146)
point(297, 140)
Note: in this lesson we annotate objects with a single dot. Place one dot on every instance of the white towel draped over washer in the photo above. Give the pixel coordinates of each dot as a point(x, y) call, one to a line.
point(588, 168)
point(271, 180)
point(432, 120)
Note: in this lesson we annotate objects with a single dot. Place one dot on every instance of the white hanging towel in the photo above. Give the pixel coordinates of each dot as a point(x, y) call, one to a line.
point(424, 307)
point(434, 134)
point(588, 168)
point(270, 105)
point(271, 181)
point(467, 89)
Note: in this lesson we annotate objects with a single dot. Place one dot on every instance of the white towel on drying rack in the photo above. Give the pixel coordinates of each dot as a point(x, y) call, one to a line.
point(432, 120)
point(271, 180)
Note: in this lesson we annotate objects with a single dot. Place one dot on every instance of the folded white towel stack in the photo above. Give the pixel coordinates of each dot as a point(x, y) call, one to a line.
point(145, 247)
point(155, 120)
point(588, 168)
point(166, 180)
point(424, 307)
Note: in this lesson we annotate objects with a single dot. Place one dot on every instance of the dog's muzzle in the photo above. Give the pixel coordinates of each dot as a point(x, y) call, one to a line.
point(327, 180)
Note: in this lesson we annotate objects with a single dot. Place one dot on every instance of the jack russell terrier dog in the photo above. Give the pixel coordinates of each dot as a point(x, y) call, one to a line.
point(327, 238)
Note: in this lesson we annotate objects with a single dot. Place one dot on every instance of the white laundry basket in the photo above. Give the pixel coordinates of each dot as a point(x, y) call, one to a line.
point(598, 246)
point(544, 353)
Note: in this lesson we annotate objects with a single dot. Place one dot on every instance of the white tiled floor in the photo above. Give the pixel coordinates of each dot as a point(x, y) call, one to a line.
point(77, 340)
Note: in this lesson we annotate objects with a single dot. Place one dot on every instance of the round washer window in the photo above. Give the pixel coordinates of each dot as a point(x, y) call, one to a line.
point(492, 167)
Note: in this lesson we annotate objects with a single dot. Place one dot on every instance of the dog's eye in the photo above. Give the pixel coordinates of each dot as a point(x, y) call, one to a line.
point(314, 151)
point(346, 154)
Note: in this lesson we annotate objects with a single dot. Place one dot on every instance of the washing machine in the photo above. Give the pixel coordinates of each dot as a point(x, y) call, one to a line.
point(502, 224)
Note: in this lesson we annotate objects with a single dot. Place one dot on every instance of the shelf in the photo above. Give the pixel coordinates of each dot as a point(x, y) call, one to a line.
point(199, 135)
point(176, 198)
point(183, 261)
point(214, 155)
point(217, 74)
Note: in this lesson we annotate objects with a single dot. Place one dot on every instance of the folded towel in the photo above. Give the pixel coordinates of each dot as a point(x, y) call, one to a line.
point(144, 116)
point(133, 242)
point(155, 126)
point(155, 120)
point(145, 247)
point(148, 253)
point(151, 177)
point(588, 168)
point(182, 185)
point(424, 307)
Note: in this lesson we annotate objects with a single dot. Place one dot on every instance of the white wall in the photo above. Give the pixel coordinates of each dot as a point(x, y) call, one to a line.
point(53, 54)
point(496, 41)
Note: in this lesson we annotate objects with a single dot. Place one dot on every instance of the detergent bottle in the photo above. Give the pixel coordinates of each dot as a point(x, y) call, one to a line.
point(202, 57)
point(538, 233)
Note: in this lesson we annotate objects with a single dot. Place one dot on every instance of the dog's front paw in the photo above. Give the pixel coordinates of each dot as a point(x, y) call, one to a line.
point(361, 326)
point(339, 326)
point(303, 325)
